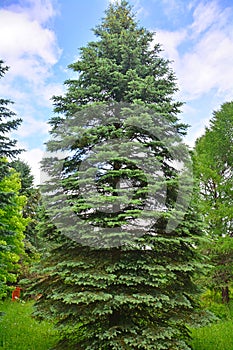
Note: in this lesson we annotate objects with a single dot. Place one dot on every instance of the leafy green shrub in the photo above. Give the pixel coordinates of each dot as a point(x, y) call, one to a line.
point(211, 300)
point(222, 311)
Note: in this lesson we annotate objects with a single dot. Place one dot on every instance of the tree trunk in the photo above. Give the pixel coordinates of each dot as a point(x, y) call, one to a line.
point(225, 295)
point(114, 319)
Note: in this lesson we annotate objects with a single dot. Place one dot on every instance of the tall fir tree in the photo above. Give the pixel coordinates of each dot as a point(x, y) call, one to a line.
point(114, 281)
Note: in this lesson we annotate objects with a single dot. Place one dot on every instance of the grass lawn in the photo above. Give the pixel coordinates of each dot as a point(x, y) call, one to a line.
point(19, 331)
point(215, 337)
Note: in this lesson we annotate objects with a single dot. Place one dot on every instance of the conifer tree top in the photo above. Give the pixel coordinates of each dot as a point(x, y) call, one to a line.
point(7, 124)
point(122, 65)
point(118, 17)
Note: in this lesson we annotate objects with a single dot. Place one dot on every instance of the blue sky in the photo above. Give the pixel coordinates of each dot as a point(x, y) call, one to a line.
point(39, 38)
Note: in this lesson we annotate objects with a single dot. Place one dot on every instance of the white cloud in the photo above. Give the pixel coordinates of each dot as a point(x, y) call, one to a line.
point(206, 62)
point(197, 130)
point(202, 61)
point(204, 16)
point(173, 7)
point(51, 90)
point(209, 14)
point(207, 66)
point(11, 91)
point(174, 10)
point(33, 158)
point(170, 42)
point(22, 36)
point(31, 126)
point(28, 47)
point(37, 10)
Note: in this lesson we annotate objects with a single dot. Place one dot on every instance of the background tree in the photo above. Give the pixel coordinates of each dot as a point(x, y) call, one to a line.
point(214, 169)
point(137, 292)
point(32, 241)
point(26, 177)
point(12, 226)
point(12, 223)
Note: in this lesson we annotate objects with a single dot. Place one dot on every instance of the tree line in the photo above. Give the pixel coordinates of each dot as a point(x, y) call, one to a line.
point(117, 238)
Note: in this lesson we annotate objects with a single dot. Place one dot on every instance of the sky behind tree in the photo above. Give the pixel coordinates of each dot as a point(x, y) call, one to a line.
point(40, 38)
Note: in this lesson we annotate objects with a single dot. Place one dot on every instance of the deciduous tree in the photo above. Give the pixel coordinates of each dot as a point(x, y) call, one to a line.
point(214, 169)
point(12, 226)
point(30, 212)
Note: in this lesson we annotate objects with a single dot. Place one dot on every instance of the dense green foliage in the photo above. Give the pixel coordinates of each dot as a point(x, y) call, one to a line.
point(12, 226)
point(26, 178)
point(32, 241)
point(30, 210)
point(214, 169)
point(128, 285)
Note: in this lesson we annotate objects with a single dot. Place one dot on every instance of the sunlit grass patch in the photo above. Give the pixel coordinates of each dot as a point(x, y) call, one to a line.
point(215, 337)
point(19, 331)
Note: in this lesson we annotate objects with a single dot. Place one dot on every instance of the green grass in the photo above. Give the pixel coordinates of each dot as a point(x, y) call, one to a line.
point(19, 331)
point(215, 337)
